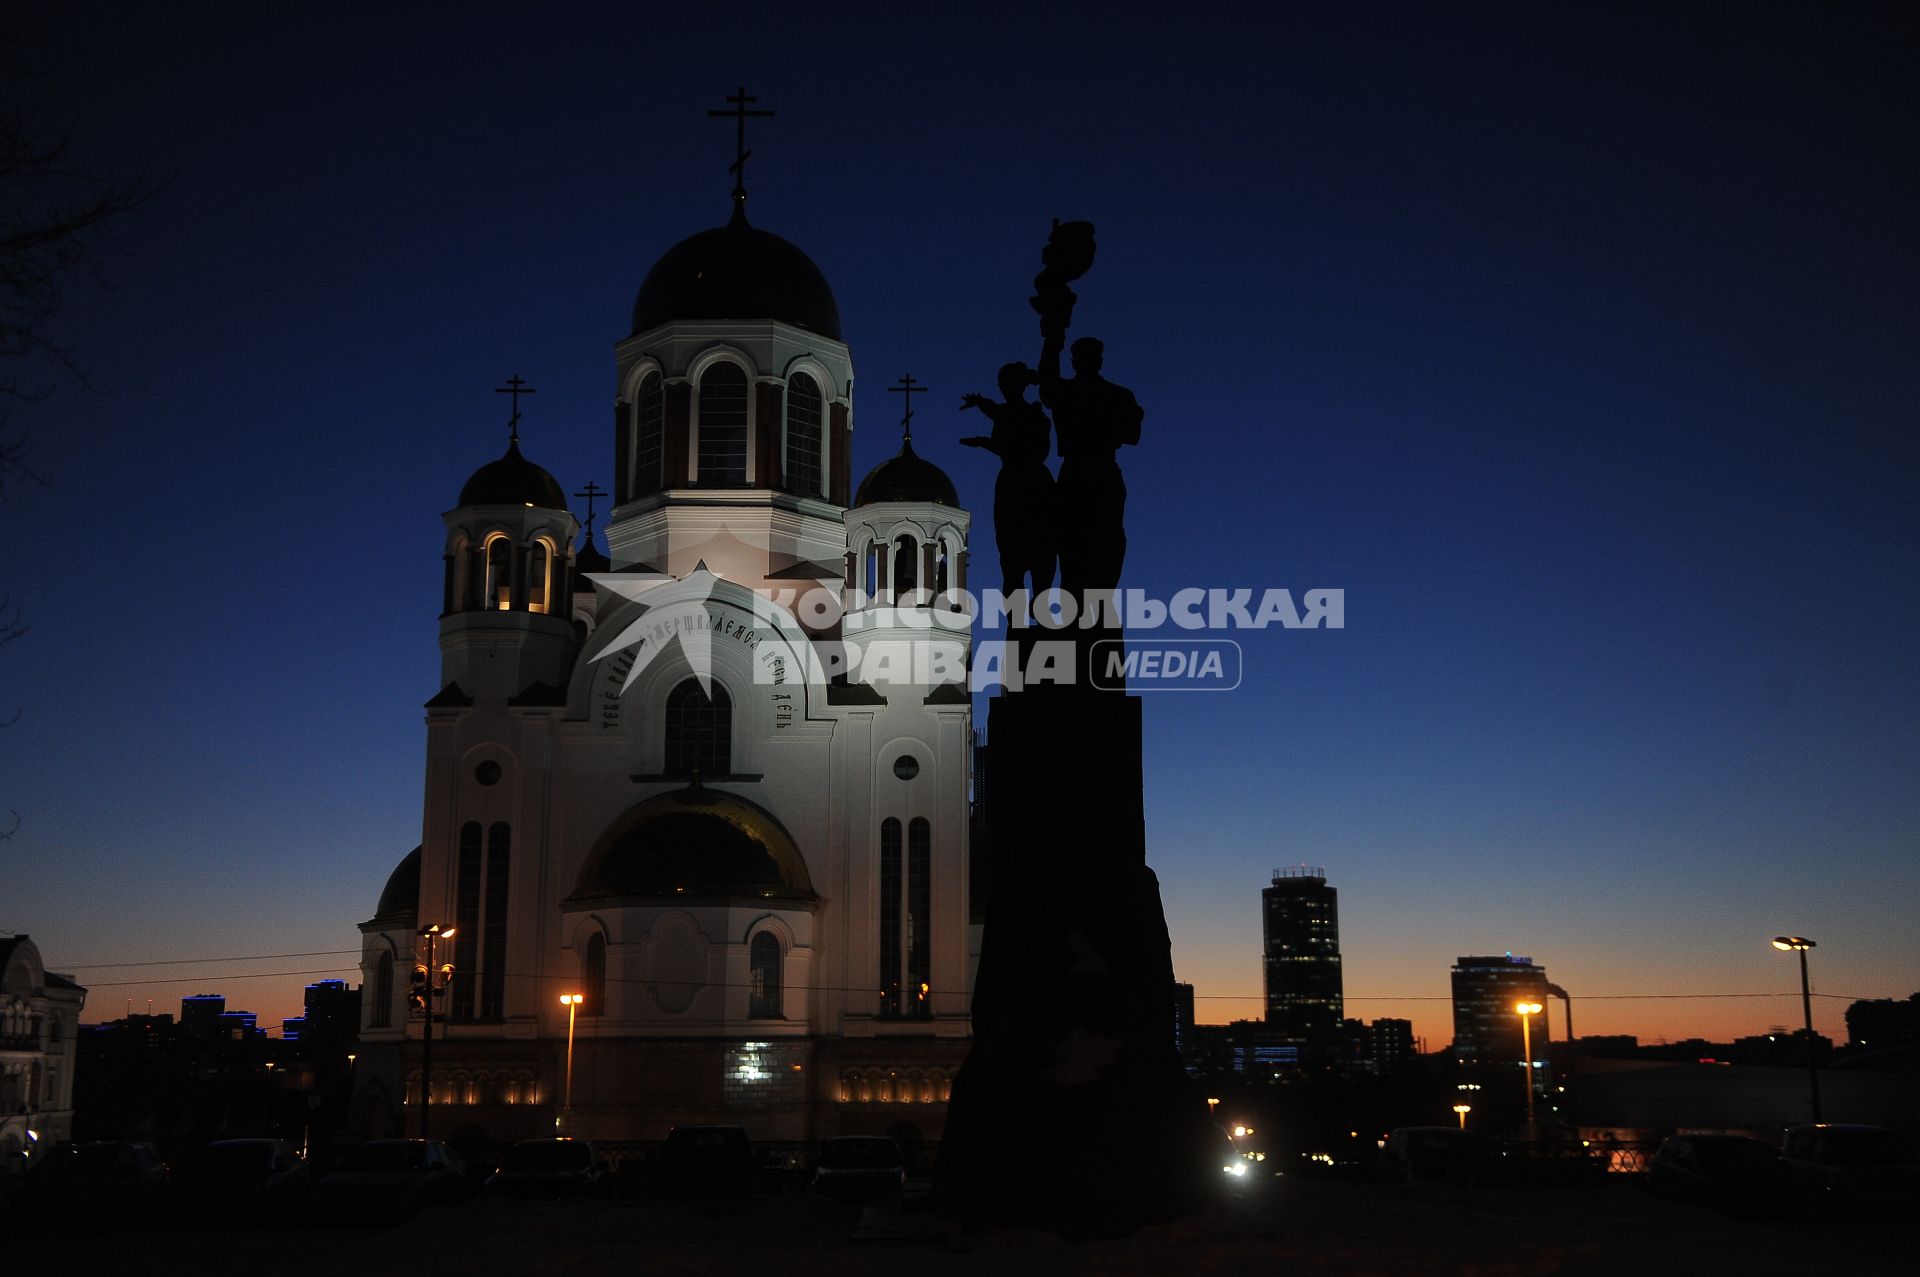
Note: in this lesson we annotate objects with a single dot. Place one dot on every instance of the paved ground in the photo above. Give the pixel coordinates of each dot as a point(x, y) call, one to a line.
point(1286, 1225)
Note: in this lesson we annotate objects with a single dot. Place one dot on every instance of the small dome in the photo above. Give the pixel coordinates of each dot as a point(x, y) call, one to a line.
point(588, 559)
point(737, 272)
point(907, 477)
point(695, 842)
point(513, 480)
point(401, 897)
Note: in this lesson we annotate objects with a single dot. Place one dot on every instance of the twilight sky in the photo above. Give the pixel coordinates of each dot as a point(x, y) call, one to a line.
point(1575, 343)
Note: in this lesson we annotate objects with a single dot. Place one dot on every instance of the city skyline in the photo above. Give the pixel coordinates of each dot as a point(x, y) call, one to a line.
point(1575, 356)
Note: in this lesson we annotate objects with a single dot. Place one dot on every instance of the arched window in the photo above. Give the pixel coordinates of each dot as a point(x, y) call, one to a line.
point(890, 1003)
point(803, 435)
point(493, 954)
point(919, 909)
point(723, 425)
point(763, 977)
point(906, 567)
point(593, 975)
point(649, 436)
point(499, 588)
point(467, 868)
point(699, 730)
point(540, 575)
point(383, 992)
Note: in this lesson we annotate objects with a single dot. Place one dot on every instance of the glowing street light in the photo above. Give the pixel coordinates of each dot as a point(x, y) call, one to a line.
point(1800, 945)
point(1463, 1110)
point(425, 992)
point(1527, 1010)
point(571, 1001)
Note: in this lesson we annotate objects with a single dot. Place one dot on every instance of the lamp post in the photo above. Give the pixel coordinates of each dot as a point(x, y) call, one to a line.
point(1527, 1011)
point(571, 1001)
point(426, 991)
point(1462, 1110)
point(1800, 945)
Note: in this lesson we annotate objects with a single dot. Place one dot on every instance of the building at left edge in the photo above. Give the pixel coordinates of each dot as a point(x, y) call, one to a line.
point(716, 781)
point(39, 1028)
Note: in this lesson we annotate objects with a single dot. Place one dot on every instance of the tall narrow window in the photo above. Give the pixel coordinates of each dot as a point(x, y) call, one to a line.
point(699, 731)
point(803, 435)
point(383, 992)
point(539, 575)
point(466, 923)
point(649, 436)
point(499, 591)
point(919, 909)
point(723, 425)
point(493, 953)
point(890, 917)
point(593, 976)
point(763, 977)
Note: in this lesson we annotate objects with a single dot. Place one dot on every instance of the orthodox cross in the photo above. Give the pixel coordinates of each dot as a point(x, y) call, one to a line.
point(741, 154)
point(907, 389)
point(591, 492)
point(516, 387)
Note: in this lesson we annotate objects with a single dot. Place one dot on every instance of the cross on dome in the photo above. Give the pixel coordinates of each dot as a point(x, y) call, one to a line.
point(741, 154)
point(907, 389)
point(516, 386)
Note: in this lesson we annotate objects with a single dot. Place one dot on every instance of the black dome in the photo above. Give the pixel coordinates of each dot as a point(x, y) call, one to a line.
point(401, 898)
point(907, 477)
point(513, 480)
point(588, 559)
point(695, 842)
point(737, 272)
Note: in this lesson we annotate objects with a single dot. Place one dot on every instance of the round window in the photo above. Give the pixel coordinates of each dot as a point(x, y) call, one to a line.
point(906, 767)
point(487, 773)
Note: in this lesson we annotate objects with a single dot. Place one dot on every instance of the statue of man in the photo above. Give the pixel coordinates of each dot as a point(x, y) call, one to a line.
point(1092, 418)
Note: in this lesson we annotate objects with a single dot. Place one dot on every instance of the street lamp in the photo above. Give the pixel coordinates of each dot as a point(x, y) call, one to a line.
point(424, 992)
point(1463, 1110)
point(1800, 945)
point(1527, 1011)
point(571, 1001)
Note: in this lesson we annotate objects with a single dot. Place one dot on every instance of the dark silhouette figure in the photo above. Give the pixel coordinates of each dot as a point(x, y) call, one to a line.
point(1067, 256)
point(1092, 418)
point(1023, 496)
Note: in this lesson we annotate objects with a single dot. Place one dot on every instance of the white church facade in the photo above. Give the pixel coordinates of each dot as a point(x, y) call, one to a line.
point(716, 782)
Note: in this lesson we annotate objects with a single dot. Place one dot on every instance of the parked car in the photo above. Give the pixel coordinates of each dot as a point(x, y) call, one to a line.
point(1840, 1168)
point(123, 1180)
point(385, 1180)
point(249, 1180)
point(857, 1167)
point(705, 1161)
point(1443, 1153)
point(550, 1168)
point(1727, 1173)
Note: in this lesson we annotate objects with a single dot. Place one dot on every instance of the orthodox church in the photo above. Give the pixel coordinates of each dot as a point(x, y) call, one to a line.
point(715, 782)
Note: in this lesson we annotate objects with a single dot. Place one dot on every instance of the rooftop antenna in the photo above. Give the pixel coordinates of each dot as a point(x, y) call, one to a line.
point(741, 154)
point(516, 386)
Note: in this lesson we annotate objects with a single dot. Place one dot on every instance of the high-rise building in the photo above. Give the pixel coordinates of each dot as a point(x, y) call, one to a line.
point(1391, 1043)
point(1302, 928)
point(1486, 1029)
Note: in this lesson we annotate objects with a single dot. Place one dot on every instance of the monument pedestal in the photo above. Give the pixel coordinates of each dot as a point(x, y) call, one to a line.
point(1072, 1111)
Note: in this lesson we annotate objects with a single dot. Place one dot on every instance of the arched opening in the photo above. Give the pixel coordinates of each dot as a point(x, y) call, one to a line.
point(498, 593)
point(906, 567)
point(890, 1002)
point(649, 442)
point(763, 977)
point(803, 471)
point(382, 992)
point(723, 426)
point(699, 730)
point(540, 575)
point(919, 910)
point(593, 976)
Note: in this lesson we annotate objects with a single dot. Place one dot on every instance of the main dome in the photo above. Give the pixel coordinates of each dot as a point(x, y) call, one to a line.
point(737, 272)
